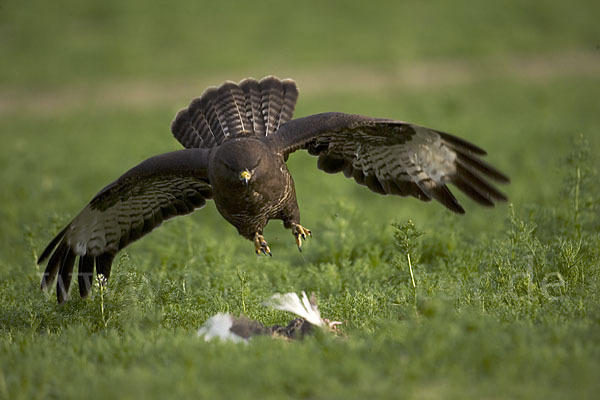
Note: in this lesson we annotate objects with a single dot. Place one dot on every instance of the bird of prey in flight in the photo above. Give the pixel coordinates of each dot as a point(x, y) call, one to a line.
point(237, 138)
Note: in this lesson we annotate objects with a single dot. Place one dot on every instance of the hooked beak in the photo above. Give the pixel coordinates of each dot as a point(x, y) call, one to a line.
point(245, 176)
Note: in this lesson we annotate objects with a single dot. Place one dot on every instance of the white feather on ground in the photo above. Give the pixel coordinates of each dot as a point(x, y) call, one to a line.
point(219, 326)
point(291, 302)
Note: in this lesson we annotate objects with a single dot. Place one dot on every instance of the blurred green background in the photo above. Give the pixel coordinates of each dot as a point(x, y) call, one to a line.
point(88, 90)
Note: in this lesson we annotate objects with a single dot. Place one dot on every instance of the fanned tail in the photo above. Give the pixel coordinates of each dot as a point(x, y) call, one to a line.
point(252, 107)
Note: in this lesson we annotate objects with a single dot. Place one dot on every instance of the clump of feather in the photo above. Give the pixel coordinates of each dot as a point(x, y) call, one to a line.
point(219, 326)
point(240, 329)
point(306, 308)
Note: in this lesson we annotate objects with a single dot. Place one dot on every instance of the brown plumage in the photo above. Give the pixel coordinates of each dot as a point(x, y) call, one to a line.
point(237, 139)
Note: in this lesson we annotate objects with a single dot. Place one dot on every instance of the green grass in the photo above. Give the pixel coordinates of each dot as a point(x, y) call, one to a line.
point(506, 302)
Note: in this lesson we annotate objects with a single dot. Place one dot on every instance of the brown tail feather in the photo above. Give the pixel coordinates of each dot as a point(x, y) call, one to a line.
point(249, 108)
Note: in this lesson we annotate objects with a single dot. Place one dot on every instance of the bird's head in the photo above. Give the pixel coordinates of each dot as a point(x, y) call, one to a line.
point(241, 162)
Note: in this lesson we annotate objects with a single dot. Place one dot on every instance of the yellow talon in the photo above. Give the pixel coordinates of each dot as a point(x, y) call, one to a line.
point(300, 233)
point(260, 245)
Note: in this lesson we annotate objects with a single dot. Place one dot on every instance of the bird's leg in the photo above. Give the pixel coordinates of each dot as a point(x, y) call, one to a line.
point(260, 245)
point(300, 233)
point(332, 325)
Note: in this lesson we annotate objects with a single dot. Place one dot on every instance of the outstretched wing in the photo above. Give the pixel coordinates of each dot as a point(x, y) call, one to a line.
point(159, 188)
point(393, 157)
point(250, 107)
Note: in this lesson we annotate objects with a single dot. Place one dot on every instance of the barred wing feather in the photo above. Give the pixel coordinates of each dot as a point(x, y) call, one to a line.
point(159, 188)
point(394, 157)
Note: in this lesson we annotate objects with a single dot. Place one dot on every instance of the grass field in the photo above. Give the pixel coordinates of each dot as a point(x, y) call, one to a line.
point(507, 300)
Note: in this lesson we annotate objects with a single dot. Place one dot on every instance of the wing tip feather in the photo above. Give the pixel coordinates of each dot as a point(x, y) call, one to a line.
point(455, 141)
point(52, 245)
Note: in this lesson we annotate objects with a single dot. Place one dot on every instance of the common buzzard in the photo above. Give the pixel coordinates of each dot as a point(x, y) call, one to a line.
point(237, 139)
